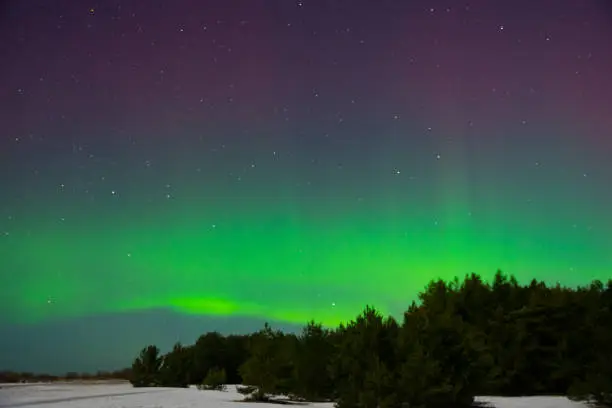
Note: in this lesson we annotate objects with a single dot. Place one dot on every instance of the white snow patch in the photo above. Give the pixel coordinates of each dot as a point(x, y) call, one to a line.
point(74, 395)
point(530, 402)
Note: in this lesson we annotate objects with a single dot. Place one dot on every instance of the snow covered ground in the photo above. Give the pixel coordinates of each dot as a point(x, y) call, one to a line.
point(74, 395)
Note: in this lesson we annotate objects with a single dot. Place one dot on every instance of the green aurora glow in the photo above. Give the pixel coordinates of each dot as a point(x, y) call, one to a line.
point(279, 265)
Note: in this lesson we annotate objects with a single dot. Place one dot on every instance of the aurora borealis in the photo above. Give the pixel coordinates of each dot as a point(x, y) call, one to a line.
point(293, 160)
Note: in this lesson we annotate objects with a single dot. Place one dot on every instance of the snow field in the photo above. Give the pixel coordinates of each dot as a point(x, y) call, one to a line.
point(83, 395)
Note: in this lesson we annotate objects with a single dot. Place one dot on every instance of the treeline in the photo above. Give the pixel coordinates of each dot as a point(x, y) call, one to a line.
point(27, 377)
point(460, 340)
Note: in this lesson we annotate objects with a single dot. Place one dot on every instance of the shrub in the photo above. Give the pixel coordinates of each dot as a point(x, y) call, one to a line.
point(214, 380)
point(246, 389)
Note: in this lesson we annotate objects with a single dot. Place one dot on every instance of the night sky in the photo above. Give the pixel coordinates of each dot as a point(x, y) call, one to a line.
point(174, 167)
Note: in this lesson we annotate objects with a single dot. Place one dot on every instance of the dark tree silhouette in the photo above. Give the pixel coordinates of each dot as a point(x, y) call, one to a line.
point(461, 339)
point(146, 368)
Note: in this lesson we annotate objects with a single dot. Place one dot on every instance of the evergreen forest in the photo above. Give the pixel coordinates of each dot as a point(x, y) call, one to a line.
point(460, 339)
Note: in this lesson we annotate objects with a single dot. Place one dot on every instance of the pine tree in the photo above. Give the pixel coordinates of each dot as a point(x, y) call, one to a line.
point(445, 360)
point(209, 351)
point(175, 370)
point(236, 354)
point(268, 368)
point(146, 368)
point(364, 367)
point(313, 352)
point(595, 383)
